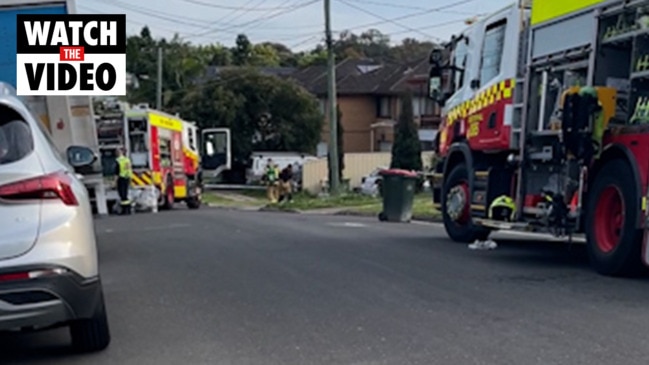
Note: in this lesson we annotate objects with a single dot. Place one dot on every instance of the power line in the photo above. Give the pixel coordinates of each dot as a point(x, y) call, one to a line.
point(226, 7)
point(386, 19)
point(264, 20)
point(439, 25)
point(242, 13)
point(149, 11)
point(153, 13)
point(271, 16)
point(413, 15)
point(169, 18)
point(310, 35)
point(400, 6)
point(128, 19)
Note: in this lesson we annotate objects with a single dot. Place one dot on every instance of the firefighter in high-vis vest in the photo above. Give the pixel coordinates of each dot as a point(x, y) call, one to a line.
point(124, 173)
point(271, 175)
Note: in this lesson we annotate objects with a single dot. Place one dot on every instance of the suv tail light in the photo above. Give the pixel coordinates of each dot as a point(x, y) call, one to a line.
point(47, 187)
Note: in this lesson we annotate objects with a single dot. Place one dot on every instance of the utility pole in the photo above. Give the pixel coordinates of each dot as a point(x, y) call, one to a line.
point(159, 83)
point(334, 183)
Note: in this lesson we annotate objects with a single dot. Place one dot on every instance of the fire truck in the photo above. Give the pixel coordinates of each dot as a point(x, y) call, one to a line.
point(165, 152)
point(545, 109)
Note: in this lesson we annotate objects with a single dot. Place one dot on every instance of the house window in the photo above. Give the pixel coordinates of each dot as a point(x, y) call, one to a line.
point(492, 51)
point(423, 106)
point(383, 108)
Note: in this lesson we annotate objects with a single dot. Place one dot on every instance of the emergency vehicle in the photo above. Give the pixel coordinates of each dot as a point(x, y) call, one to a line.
point(165, 152)
point(546, 126)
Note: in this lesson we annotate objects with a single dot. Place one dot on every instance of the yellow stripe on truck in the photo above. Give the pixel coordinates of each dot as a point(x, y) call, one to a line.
point(545, 10)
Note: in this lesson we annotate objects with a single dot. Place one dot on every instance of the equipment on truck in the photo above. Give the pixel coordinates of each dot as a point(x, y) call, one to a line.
point(164, 152)
point(545, 126)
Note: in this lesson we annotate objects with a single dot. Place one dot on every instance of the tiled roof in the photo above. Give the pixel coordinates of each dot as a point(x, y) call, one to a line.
point(359, 76)
point(214, 71)
point(353, 76)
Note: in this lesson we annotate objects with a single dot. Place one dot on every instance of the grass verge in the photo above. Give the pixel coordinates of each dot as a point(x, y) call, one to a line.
point(306, 202)
point(231, 199)
point(347, 203)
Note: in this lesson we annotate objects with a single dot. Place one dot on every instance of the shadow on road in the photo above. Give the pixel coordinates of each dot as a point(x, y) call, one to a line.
point(541, 254)
point(38, 347)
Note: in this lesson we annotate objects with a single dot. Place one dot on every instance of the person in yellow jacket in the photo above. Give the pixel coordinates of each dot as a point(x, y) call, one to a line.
point(272, 177)
point(124, 173)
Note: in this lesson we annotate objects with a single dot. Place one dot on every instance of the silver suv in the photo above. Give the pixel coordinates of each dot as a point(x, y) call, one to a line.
point(49, 274)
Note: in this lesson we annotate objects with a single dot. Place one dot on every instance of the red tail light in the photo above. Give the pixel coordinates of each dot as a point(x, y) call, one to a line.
point(48, 187)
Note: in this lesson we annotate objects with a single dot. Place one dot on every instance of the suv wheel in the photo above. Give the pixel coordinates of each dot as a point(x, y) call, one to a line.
point(92, 334)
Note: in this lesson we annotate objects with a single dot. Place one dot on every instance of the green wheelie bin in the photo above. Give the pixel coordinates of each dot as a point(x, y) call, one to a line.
point(398, 192)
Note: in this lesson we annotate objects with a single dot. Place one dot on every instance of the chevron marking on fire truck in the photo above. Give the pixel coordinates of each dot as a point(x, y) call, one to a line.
point(501, 91)
point(141, 178)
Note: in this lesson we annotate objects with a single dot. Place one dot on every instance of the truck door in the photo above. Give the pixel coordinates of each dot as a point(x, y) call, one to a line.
point(216, 155)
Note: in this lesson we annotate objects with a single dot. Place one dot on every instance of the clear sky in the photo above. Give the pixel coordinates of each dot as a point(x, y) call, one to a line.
point(297, 23)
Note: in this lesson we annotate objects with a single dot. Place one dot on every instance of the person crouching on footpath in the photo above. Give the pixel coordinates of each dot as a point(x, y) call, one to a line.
point(286, 184)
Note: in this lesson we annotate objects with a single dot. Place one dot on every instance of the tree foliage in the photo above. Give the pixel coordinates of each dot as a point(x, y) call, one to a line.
point(406, 150)
point(263, 112)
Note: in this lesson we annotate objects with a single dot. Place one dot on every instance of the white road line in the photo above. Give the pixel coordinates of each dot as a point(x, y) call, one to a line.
point(511, 233)
point(348, 224)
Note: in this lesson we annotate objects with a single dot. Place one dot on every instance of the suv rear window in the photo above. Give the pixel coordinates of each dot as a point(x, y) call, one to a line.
point(16, 141)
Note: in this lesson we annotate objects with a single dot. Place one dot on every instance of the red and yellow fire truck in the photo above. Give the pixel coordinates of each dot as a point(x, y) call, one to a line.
point(546, 126)
point(165, 152)
point(163, 155)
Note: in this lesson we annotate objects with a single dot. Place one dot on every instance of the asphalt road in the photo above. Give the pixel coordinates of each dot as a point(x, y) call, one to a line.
point(226, 287)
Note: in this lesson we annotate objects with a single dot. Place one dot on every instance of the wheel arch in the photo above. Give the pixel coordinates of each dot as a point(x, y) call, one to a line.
point(620, 152)
point(459, 152)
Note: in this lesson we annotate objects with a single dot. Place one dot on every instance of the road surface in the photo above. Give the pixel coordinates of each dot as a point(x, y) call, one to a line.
point(227, 287)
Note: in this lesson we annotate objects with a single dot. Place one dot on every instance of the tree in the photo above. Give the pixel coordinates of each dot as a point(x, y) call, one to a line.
point(242, 52)
point(263, 112)
point(264, 55)
point(406, 150)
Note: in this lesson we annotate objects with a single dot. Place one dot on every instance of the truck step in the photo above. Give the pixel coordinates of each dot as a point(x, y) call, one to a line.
point(490, 223)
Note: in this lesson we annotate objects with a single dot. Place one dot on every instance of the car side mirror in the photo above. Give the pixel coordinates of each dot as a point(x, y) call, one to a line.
point(80, 156)
point(475, 84)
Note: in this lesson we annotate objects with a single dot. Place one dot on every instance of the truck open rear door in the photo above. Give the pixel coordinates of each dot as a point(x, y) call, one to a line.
point(216, 153)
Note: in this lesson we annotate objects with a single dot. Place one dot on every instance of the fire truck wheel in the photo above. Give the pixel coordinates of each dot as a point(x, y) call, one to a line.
point(456, 207)
point(614, 242)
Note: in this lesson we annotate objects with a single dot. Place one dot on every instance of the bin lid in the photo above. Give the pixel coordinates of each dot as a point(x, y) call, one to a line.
point(398, 172)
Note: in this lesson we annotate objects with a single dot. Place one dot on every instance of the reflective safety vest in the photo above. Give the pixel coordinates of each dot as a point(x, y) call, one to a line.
point(124, 164)
point(272, 174)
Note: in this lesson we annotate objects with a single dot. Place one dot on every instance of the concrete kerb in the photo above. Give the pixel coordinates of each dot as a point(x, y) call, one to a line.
point(324, 211)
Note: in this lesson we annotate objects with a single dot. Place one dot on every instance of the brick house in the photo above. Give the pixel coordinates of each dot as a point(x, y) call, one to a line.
point(368, 96)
